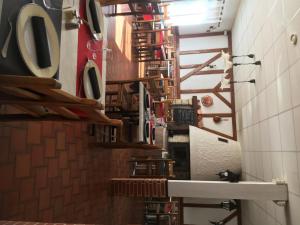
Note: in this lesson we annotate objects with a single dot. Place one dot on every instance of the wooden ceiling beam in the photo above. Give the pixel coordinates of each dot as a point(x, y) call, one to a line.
point(203, 51)
point(217, 133)
point(208, 34)
point(201, 91)
point(198, 69)
point(216, 114)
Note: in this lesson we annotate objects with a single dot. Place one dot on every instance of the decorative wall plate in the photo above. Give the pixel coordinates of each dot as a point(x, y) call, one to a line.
point(27, 45)
point(88, 88)
point(95, 19)
point(207, 101)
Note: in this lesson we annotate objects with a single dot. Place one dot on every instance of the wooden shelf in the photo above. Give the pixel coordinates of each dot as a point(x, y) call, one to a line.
point(42, 99)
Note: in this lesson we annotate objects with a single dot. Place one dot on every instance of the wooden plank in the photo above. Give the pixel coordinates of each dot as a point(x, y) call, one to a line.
point(203, 51)
point(223, 99)
point(148, 21)
point(63, 96)
point(177, 63)
point(216, 114)
point(197, 35)
point(122, 145)
point(216, 133)
point(201, 205)
point(230, 217)
point(209, 72)
point(189, 66)
point(150, 31)
point(246, 190)
point(196, 70)
point(34, 111)
point(45, 103)
point(54, 117)
point(28, 81)
point(144, 79)
point(64, 112)
point(206, 90)
point(19, 92)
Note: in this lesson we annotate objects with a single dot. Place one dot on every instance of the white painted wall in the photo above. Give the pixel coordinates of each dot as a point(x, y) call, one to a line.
point(202, 216)
point(208, 81)
point(229, 13)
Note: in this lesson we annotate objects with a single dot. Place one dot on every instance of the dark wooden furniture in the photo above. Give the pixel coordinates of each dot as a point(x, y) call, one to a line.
point(136, 7)
point(162, 211)
point(180, 154)
point(151, 168)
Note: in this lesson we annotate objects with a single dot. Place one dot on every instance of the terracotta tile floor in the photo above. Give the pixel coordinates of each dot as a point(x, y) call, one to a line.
point(49, 174)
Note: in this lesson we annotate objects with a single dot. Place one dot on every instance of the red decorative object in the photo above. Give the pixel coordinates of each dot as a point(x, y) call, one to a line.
point(207, 101)
point(83, 53)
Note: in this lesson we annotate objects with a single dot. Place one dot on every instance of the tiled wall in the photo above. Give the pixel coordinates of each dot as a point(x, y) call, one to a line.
point(269, 112)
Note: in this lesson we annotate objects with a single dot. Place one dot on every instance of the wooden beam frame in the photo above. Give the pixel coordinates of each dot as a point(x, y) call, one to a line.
point(216, 114)
point(198, 69)
point(223, 99)
point(202, 205)
point(217, 133)
point(197, 35)
point(216, 90)
point(177, 62)
point(232, 90)
point(199, 91)
point(202, 51)
point(189, 66)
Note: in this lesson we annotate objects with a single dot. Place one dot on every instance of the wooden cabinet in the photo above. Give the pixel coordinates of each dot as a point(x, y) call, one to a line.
point(162, 212)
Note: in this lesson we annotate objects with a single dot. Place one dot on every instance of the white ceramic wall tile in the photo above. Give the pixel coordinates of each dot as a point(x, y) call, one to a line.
point(291, 7)
point(291, 171)
point(281, 54)
point(277, 165)
point(269, 66)
point(277, 19)
point(264, 136)
point(267, 33)
point(284, 92)
point(287, 131)
point(295, 83)
point(259, 165)
point(272, 102)
point(296, 112)
point(294, 206)
point(267, 166)
point(262, 103)
point(270, 128)
point(274, 134)
point(293, 28)
point(281, 215)
point(256, 138)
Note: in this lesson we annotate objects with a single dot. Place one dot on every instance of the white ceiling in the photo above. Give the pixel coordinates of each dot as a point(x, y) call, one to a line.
point(229, 13)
